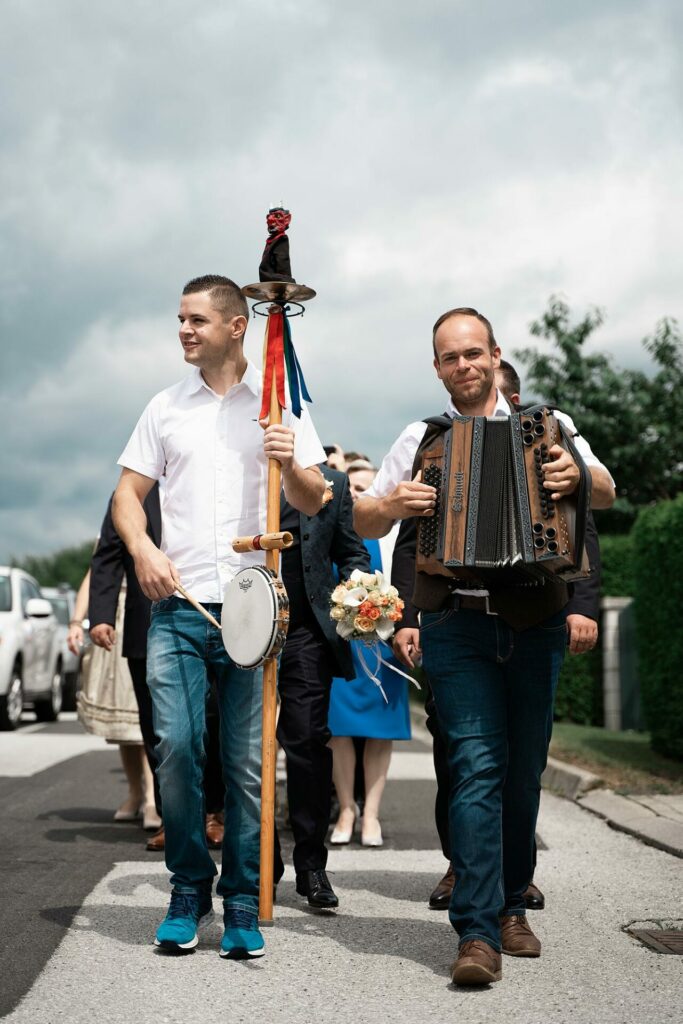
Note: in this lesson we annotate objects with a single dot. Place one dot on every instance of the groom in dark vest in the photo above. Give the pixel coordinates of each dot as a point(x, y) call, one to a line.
point(492, 657)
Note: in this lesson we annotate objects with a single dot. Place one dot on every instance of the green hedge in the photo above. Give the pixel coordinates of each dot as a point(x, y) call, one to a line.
point(579, 692)
point(658, 564)
point(618, 571)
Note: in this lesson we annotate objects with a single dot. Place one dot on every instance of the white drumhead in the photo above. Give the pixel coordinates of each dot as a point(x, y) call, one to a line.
point(249, 620)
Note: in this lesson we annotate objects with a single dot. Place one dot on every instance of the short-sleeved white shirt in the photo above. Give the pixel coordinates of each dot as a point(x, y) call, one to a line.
point(207, 450)
point(398, 463)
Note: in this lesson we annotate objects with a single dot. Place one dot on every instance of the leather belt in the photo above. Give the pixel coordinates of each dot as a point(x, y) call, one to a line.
point(470, 602)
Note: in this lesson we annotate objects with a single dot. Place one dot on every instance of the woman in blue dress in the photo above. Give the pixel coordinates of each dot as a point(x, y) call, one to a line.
point(358, 709)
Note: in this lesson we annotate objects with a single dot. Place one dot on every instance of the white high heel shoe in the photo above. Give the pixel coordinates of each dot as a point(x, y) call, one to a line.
point(342, 837)
point(375, 840)
point(151, 822)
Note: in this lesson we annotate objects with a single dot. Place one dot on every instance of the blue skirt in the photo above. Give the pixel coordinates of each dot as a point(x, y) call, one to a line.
point(357, 707)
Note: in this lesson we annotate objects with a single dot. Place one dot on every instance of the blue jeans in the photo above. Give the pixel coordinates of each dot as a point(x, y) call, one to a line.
point(494, 690)
point(181, 646)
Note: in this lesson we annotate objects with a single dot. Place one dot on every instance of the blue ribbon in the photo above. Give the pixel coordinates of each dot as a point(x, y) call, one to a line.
point(297, 384)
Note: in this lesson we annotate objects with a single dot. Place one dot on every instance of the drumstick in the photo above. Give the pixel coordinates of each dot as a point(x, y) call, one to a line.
point(195, 604)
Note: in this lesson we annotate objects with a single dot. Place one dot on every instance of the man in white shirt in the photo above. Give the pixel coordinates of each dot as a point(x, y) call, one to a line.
point(202, 438)
point(492, 663)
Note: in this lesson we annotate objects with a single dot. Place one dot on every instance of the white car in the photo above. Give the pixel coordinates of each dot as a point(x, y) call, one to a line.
point(63, 601)
point(31, 665)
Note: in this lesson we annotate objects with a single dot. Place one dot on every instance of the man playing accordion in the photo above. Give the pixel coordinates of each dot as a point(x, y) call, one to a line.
point(493, 658)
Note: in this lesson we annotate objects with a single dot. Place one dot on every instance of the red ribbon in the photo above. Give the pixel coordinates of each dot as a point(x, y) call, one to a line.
point(273, 363)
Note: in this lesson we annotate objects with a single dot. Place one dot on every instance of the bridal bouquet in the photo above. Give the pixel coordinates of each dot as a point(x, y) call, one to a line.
point(366, 607)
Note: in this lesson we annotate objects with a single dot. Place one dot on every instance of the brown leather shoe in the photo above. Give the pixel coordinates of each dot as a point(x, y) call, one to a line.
point(517, 938)
point(441, 894)
point(534, 898)
point(156, 842)
point(215, 830)
point(477, 964)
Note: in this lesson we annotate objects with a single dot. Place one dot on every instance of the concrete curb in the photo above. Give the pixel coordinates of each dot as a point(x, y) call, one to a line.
point(629, 815)
point(567, 779)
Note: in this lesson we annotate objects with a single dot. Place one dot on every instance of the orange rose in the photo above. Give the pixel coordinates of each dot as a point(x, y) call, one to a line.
point(374, 613)
point(363, 624)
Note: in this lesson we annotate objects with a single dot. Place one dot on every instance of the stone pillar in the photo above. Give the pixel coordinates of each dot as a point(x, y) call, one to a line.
point(612, 608)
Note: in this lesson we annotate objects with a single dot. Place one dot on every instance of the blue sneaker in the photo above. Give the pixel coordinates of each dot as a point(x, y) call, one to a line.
point(242, 939)
point(187, 912)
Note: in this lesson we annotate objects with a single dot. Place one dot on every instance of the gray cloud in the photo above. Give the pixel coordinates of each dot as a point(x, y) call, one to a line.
point(434, 155)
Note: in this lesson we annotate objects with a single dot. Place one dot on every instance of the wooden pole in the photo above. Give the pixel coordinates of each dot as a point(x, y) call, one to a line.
point(268, 744)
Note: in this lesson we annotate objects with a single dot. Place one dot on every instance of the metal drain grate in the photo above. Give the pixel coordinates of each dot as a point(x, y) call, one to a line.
point(660, 940)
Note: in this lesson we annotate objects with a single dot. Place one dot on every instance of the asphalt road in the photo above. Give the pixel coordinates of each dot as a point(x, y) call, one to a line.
point(81, 898)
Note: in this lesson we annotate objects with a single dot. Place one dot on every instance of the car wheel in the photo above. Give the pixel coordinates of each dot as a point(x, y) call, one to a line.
point(12, 703)
point(48, 710)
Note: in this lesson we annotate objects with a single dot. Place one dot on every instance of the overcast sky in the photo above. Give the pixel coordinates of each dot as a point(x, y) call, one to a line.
point(435, 154)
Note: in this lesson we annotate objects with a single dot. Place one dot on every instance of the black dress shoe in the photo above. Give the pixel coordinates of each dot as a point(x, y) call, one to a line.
point(315, 886)
point(534, 898)
point(441, 895)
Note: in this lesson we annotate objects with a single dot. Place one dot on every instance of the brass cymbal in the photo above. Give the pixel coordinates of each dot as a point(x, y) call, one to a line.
point(278, 291)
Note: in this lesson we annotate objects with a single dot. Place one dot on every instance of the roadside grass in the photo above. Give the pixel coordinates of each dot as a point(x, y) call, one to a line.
point(623, 760)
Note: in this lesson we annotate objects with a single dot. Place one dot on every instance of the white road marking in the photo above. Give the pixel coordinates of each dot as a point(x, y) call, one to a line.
point(25, 753)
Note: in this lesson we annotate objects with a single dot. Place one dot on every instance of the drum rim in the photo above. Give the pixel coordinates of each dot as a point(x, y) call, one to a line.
point(275, 609)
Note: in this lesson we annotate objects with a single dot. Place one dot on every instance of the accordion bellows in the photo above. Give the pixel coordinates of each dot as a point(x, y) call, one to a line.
point(494, 520)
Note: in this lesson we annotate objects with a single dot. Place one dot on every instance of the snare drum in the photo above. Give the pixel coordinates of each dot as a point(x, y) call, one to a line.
point(255, 616)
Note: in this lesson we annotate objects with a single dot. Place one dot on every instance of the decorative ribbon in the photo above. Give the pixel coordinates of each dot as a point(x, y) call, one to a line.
point(278, 356)
point(273, 362)
point(370, 673)
point(297, 384)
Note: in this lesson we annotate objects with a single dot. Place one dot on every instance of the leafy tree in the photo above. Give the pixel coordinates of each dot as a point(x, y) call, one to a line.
point(66, 566)
point(634, 421)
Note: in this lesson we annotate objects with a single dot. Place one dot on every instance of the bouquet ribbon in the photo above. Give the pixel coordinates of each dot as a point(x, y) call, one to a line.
point(371, 672)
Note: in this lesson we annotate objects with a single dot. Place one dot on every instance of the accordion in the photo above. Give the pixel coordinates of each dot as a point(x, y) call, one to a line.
point(494, 520)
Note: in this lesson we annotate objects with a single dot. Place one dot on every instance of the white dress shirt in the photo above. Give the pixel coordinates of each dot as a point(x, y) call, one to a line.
point(208, 449)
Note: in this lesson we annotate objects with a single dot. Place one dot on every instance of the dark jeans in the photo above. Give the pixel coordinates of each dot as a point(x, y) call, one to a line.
point(494, 690)
point(440, 756)
point(304, 682)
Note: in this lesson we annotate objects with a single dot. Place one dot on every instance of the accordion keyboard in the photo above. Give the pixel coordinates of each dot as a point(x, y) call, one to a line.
point(429, 527)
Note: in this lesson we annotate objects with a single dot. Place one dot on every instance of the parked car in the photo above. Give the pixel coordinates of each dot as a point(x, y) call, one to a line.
point(63, 601)
point(31, 665)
